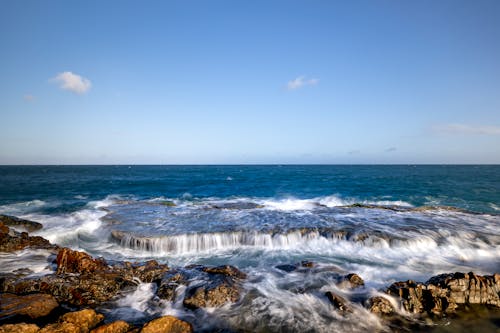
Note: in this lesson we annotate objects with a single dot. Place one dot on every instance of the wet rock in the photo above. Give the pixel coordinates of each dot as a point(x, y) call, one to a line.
point(70, 261)
point(13, 221)
point(286, 268)
point(446, 292)
point(150, 271)
point(226, 270)
point(169, 284)
point(214, 293)
point(167, 324)
point(237, 205)
point(13, 241)
point(381, 306)
point(75, 322)
point(31, 306)
point(119, 326)
point(338, 301)
point(351, 281)
point(82, 290)
point(19, 328)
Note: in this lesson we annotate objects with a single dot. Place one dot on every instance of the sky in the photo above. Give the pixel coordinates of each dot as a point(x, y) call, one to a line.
point(230, 82)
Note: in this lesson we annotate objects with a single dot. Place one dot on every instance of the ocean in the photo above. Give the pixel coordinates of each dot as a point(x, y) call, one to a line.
point(386, 223)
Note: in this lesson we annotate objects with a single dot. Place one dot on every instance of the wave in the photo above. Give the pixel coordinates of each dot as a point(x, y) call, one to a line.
point(20, 208)
point(326, 238)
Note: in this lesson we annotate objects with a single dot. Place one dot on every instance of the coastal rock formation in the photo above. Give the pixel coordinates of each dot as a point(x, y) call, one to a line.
point(167, 324)
point(11, 240)
point(446, 292)
point(70, 261)
point(351, 281)
point(13, 221)
point(30, 306)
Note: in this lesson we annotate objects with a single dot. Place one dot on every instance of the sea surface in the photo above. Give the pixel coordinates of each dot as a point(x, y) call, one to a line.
point(385, 223)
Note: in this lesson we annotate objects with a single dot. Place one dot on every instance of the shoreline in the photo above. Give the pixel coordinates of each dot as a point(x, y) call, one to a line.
point(83, 283)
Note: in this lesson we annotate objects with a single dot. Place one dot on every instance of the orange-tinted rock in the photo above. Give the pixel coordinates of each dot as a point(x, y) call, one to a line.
point(75, 322)
point(70, 261)
point(32, 306)
point(19, 328)
point(119, 326)
point(167, 324)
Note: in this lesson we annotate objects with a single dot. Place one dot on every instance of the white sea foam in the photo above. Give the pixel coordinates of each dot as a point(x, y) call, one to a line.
point(21, 208)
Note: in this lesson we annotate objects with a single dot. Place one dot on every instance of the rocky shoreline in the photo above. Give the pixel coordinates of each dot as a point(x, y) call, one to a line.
point(68, 299)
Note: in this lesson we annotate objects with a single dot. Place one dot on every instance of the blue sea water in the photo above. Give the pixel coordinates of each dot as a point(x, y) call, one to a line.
point(384, 222)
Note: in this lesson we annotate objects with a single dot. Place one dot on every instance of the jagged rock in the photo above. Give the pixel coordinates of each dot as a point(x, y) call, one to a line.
point(70, 261)
point(169, 284)
point(380, 305)
point(226, 270)
point(19, 328)
point(13, 221)
point(167, 324)
point(214, 293)
point(75, 322)
point(150, 271)
point(32, 306)
point(119, 326)
point(351, 281)
point(13, 241)
point(444, 293)
point(338, 301)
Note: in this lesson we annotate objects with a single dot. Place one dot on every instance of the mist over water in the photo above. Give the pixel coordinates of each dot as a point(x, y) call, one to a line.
point(385, 223)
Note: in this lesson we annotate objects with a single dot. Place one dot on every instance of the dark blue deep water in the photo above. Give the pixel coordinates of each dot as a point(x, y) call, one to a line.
point(472, 187)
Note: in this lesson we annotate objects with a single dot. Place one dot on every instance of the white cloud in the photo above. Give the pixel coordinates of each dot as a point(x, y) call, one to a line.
point(301, 81)
point(72, 82)
point(467, 129)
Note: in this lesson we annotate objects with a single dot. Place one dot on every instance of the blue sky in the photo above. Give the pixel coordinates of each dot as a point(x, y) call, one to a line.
point(167, 82)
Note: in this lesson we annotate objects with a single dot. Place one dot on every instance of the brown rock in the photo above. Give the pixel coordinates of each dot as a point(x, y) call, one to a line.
point(212, 294)
point(70, 261)
point(167, 324)
point(19, 328)
point(381, 306)
point(352, 281)
point(338, 302)
point(119, 326)
point(75, 322)
point(13, 241)
point(13, 221)
point(226, 270)
point(32, 306)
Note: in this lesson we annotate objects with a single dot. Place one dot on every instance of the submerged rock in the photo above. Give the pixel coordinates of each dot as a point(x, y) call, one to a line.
point(167, 324)
point(338, 302)
point(29, 306)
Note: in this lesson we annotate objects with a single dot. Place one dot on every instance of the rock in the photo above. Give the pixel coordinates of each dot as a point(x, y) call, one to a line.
point(75, 322)
point(338, 301)
point(119, 326)
point(167, 324)
point(148, 272)
point(214, 293)
point(446, 292)
point(226, 270)
point(19, 328)
point(351, 281)
point(237, 205)
point(381, 306)
point(31, 306)
point(286, 268)
point(70, 261)
point(169, 284)
point(13, 221)
point(13, 241)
